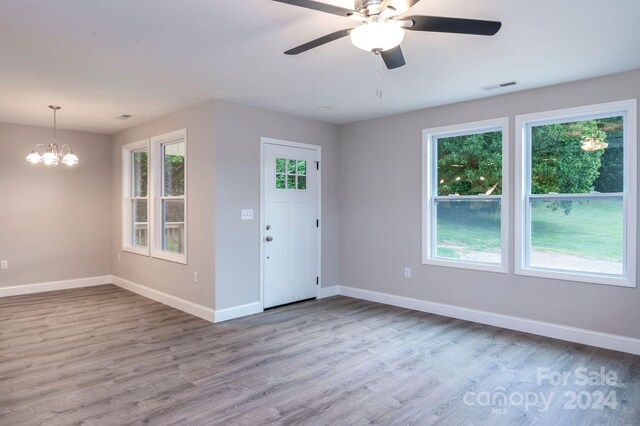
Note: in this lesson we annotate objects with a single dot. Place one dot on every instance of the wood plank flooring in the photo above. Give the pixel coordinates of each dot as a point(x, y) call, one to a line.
point(105, 356)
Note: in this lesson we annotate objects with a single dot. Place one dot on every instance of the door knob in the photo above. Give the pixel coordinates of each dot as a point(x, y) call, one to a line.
point(268, 238)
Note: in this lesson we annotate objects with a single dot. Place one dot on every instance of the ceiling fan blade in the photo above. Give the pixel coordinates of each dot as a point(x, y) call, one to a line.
point(393, 58)
point(318, 42)
point(441, 24)
point(322, 7)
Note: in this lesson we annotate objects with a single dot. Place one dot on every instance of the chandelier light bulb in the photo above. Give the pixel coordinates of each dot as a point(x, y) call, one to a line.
point(378, 34)
point(49, 158)
point(70, 159)
point(34, 157)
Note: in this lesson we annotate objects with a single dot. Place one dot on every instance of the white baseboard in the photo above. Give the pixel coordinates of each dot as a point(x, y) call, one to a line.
point(328, 291)
point(165, 298)
point(238, 311)
point(556, 331)
point(17, 290)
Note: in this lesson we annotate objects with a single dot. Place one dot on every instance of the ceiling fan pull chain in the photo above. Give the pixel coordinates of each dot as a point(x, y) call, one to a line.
point(378, 75)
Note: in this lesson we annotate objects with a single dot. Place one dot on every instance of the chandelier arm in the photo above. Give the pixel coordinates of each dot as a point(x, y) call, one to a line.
point(62, 149)
point(35, 148)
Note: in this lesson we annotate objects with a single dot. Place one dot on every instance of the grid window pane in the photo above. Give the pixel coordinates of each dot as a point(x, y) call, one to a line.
point(302, 182)
point(173, 226)
point(302, 167)
point(280, 165)
point(291, 167)
point(291, 182)
point(173, 169)
point(469, 230)
point(578, 157)
point(576, 235)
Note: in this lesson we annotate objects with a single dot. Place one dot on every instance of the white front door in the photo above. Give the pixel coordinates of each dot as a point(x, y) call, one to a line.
point(291, 226)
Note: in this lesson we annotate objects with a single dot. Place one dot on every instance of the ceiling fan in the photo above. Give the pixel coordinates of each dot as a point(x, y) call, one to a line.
point(382, 29)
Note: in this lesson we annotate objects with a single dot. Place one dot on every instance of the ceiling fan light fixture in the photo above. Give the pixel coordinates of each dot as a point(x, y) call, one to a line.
point(377, 34)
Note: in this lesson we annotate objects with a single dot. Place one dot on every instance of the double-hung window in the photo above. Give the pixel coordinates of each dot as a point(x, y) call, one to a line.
point(135, 208)
point(576, 194)
point(170, 196)
point(464, 179)
point(154, 204)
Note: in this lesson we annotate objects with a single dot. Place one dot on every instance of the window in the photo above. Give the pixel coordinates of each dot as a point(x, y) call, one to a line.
point(170, 196)
point(576, 203)
point(464, 179)
point(291, 174)
point(135, 207)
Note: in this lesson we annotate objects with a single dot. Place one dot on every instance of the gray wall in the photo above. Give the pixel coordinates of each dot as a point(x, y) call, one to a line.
point(170, 277)
point(237, 135)
point(54, 222)
point(380, 216)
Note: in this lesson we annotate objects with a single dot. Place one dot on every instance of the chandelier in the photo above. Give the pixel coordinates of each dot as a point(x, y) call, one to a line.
point(52, 155)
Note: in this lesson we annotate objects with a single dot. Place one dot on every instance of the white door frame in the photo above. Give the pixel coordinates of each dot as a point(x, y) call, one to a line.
point(264, 141)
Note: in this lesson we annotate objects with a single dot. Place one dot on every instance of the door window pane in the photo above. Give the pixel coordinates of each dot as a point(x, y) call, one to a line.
point(173, 226)
point(291, 174)
point(291, 167)
point(302, 182)
point(302, 167)
point(291, 182)
point(173, 169)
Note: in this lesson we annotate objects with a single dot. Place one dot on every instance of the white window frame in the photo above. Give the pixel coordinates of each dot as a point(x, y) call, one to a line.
point(156, 178)
point(523, 125)
point(429, 193)
point(127, 197)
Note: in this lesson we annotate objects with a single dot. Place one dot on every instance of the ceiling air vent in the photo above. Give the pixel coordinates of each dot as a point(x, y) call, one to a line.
point(124, 117)
point(500, 85)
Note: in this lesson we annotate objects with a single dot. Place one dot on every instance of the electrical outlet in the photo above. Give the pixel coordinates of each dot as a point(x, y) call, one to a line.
point(407, 272)
point(119, 257)
point(4, 264)
point(195, 277)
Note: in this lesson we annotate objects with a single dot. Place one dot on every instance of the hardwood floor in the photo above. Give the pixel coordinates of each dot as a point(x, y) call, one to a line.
point(105, 356)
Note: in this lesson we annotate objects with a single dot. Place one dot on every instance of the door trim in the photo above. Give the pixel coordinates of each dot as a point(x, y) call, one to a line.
point(270, 141)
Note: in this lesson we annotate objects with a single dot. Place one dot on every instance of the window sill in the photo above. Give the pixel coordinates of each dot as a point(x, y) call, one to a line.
point(612, 280)
point(477, 266)
point(136, 250)
point(171, 257)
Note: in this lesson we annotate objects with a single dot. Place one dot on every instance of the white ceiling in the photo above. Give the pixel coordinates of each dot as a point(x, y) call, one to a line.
point(99, 59)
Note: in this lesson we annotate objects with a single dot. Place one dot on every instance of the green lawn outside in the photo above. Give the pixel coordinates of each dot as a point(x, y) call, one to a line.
point(592, 229)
